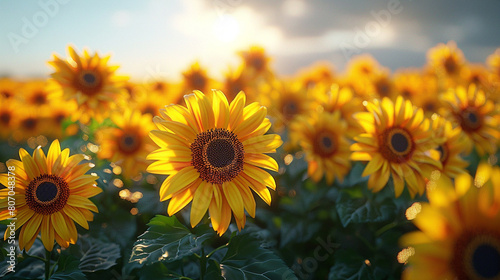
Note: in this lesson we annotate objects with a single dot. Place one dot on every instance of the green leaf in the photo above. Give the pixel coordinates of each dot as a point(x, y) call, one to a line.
point(246, 259)
point(67, 269)
point(349, 266)
point(95, 254)
point(363, 210)
point(213, 270)
point(166, 240)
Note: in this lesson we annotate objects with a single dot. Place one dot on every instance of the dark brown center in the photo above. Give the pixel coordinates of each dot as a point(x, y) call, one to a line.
point(218, 155)
point(396, 144)
point(47, 194)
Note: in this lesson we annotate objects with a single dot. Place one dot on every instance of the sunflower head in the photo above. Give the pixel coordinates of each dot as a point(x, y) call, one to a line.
point(255, 59)
point(396, 142)
point(90, 81)
point(128, 144)
point(196, 78)
point(451, 145)
point(476, 115)
point(447, 60)
point(458, 235)
point(322, 138)
point(318, 74)
point(9, 88)
point(214, 151)
point(52, 192)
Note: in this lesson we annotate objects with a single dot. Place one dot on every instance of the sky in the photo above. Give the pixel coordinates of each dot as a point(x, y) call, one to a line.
point(160, 39)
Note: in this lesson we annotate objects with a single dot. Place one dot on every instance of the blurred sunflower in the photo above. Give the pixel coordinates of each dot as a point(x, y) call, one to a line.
point(458, 235)
point(322, 138)
point(452, 143)
point(9, 108)
point(342, 100)
point(196, 78)
point(256, 64)
point(447, 61)
point(128, 144)
point(318, 74)
point(91, 82)
point(59, 111)
point(51, 194)
point(30, 122)
point(408, 84)
point(213, 152)
point(286, 101)
point(397, 141)
point(475, 74)
point(234, 82)
point(470, 109)
point(8, 88)
point(383, 85)
point(493, 61)
point(367, 78)
point(35, 93)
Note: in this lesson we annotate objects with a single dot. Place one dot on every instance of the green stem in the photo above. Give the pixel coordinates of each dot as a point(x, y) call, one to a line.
point(386, 228)
point(203, 264)
point(367, 244)
point(36, 257)
point(47, 264)
point(217, 249)
point(54, 266)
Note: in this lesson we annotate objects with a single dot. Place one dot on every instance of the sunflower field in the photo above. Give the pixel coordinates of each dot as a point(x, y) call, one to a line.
point(361, 174)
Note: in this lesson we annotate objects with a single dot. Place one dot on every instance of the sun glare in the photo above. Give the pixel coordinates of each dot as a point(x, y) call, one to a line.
point(226, 28)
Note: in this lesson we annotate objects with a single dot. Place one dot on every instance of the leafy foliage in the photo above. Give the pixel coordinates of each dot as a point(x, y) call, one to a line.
point(166, 240)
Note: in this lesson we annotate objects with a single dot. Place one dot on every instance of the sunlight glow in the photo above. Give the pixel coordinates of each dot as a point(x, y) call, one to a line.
point(226, 28)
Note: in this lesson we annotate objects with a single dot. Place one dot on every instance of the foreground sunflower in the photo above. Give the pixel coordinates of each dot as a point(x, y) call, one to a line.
point(322, 138)
point(397, 142)
point(90, 81)
point(52, 192)
point(476, 115)
point(213, 152)
point(459, 236)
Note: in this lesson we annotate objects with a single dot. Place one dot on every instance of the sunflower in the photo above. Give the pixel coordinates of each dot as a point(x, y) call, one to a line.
point(256, 61)
point(196, 78)
point(322, 138)
point(35, 93)
point(213, 152)
point(9, 109)
point(409, 84)
point(128, 144)
point(452, 143)
point(477, 116)
point(8, 88)
point(50, 192)
point(286, 101)
point(60, 111)
point(30, 122)
point(458, 236)
point(339, 99)
point(234, 82)
point(475, 74)
point(318, 74)
point(383, 85)
point(493, 61)
point(90, 81)
point(447, 62)
point(397, 141)
point(367, 78)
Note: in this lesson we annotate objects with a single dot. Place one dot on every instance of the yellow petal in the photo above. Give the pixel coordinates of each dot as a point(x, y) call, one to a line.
point(234, 199)
point(201, 201)
point(261, 160)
